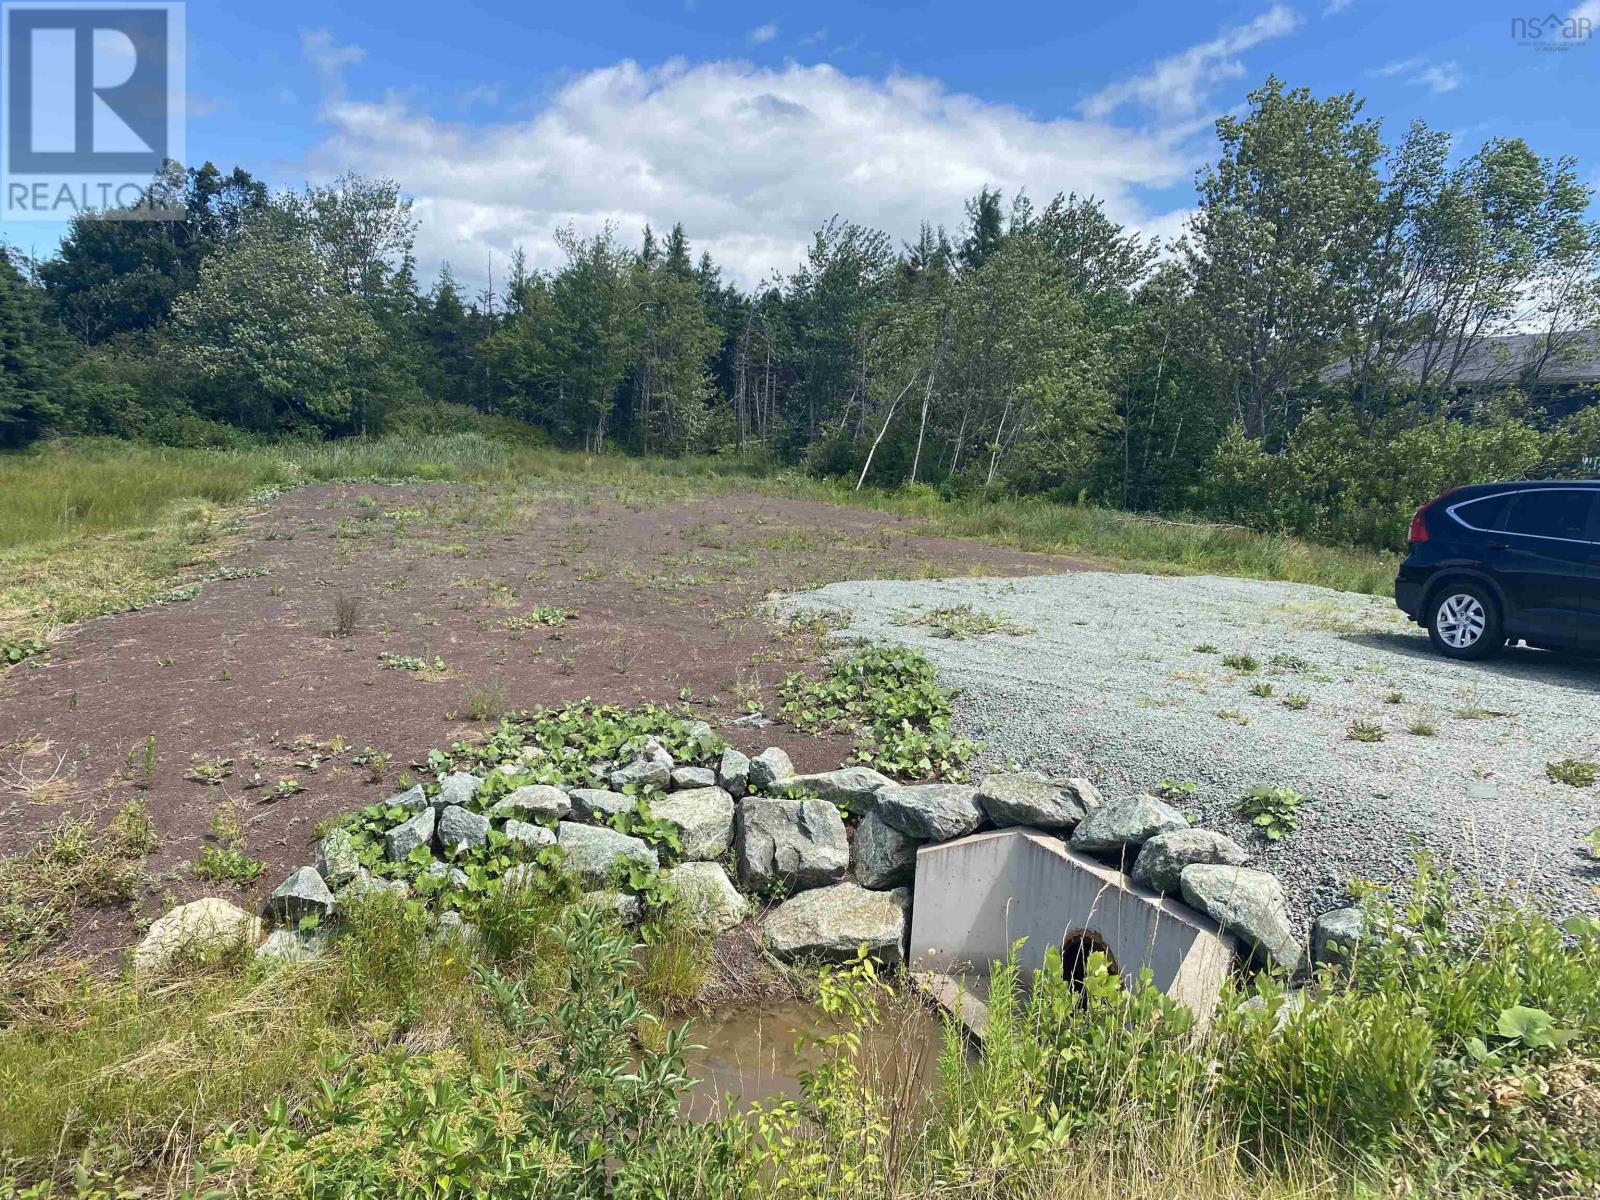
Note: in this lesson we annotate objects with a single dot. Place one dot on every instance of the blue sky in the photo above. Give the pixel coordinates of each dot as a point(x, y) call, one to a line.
point(752, 125)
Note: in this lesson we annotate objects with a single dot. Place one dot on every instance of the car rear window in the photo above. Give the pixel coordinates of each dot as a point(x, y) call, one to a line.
point(1488, 513)
point(1552, 512)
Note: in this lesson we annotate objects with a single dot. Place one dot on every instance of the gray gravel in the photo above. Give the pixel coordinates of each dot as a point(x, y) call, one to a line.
point(1110, 684)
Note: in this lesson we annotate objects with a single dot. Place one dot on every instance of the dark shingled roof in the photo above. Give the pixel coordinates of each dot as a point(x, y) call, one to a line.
point(1502, 359)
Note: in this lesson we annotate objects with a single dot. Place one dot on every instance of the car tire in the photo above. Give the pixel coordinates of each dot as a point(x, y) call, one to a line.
point(1464, 622)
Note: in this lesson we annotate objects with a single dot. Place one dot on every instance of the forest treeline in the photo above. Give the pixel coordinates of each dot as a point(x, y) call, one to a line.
point(1310, 356)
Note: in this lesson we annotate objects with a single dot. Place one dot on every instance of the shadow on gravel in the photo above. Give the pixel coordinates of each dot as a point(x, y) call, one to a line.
point(1575, 671)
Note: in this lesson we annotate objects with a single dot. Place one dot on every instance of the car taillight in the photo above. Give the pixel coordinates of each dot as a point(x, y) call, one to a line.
point(1419, 527)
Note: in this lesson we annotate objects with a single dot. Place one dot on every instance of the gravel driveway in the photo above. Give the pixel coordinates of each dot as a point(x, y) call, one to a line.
point(1123, 678)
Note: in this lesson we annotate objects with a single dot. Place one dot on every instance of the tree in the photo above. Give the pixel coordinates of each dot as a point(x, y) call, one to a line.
point(28, 366)
point(273, 341)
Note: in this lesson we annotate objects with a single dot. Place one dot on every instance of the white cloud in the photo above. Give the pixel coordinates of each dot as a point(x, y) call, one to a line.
point(1589, 11)
point(1181, 85)
point(1334, 7)
point(762, 34)
point(1420, 71)
point(750, 159)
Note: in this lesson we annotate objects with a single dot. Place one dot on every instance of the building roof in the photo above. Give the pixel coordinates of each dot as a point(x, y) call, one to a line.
point(1502, 359)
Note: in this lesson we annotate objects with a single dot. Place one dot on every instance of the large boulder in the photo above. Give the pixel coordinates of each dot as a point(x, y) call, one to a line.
point(288, 945)
point(457, 788)
point(414, 831)
point(931, 812)
point(593, 851)
point(624, 906)
point(1162, 859)
point(653, 768)
point(537, 802)
point(883, 857)
point(834, 922)
point(853, 788)
point(800, 843)
point(598, 804)
point(367, 884)
point(413, 799)
point(1028, 798)
point(733, 772)
point(1249, 904)
point(528, 834)
point(687, 779)
point(338, 860)
point(200, 931)
point(460, 830)
point(1118, 829)
point(303, 894)
point(1336, 935)
point(703, 817)
point(771, 766)
point(451, 877)
point(709, 898)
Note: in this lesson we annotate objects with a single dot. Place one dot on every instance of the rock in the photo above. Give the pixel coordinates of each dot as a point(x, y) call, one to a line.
point(462, 830)
point(202, 930)
point(303, 894)
point(770, 766)
point(689, 778)
point(1248, 903)
point(703, 817)
point(733, 772)
point(452, 926)
point(337, 859)
point(883, 857)
point(528, 834)
point(1288, 1004)
point(1121, 827)
point(752, 721)
point(598, 804)
point(852, 788)
point(453, 876)
point(712, 902)
point(1084, 791)
point(833, 922)
point(1028, 798)
point(625, 907)
point(413, 799)
point(653, 768)
point(457, 788)
point(1162, 859)
point(538, 801)
point(593, 850)
point(1336, 935)
point(931, 812)
point(408, 835)
point(801, 843)
point(702, 738)
point(366, 884)
point(286, 945)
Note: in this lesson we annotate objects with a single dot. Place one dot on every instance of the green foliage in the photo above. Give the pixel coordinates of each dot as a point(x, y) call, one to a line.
point(1245, 664)
point(963, 621)
point(892, 698)
point(1363, 730)
point(227, 864)
point(1573, 772)
point(12, 653)
point(1275, 811)
point(546, 614)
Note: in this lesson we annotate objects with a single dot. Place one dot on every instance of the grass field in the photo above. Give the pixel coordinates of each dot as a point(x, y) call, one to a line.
point(97, 526)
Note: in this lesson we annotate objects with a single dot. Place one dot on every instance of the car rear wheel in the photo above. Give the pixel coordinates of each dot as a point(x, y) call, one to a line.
point(1464, 622)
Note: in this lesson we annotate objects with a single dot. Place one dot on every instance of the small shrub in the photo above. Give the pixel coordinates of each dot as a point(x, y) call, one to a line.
point(1422, 727)
point(1395, 698)
point(220, 864)
point(1573, 772)
point(1245, 664)
point(1275, 811)
point(963, 621)
point(1261, 689)
point(487, 701)
point(346, 615)
point(1362, 730)
point(1205, 648)
point(546, 615)
point(1296, 701)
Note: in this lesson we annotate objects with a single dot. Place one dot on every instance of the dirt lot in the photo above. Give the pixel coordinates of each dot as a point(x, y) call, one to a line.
point(152, 705)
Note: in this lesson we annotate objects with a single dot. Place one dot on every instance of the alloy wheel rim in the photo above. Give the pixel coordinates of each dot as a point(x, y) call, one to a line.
point(1461, 621)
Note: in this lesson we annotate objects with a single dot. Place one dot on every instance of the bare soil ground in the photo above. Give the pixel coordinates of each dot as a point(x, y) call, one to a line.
point(665, 591)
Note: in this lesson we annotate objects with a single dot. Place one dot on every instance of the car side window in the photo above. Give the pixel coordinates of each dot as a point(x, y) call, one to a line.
point(1488, 513)
point(1551, 513)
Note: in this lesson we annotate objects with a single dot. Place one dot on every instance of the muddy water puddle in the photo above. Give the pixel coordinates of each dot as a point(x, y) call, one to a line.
point(760, 1054)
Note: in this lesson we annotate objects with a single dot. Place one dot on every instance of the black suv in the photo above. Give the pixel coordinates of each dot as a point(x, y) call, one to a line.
point(1503, 562)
